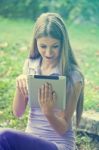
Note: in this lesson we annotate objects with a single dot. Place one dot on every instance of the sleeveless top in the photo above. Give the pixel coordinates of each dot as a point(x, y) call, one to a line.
point(38, 124)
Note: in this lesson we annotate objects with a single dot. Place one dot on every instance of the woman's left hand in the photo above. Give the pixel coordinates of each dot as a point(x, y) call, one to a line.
point(47, 98)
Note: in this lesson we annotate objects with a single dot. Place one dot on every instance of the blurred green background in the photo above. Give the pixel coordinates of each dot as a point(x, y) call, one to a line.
point(16, 27)
point(75, 10)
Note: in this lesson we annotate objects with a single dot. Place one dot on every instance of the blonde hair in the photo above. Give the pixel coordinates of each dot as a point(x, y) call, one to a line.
point(52, 25)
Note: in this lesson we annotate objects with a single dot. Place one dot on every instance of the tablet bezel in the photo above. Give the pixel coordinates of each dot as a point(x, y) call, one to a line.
point(35, 81)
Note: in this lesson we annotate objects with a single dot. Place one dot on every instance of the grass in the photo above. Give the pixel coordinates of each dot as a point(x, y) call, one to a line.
point(16, 36)
point(84, 39)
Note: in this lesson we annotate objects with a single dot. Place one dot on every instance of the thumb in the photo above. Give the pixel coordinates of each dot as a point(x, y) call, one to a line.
point(54, 96)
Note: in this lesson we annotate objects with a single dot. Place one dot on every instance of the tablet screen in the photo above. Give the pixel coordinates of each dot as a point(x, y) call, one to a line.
point(58, 84)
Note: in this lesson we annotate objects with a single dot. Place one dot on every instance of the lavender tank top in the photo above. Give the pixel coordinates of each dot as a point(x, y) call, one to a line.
point(38, 124)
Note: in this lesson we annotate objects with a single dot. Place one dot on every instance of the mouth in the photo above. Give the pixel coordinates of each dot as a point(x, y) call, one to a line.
point(48, 57)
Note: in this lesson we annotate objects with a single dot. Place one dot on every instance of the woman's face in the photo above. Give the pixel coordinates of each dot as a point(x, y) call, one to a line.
point(49, 49)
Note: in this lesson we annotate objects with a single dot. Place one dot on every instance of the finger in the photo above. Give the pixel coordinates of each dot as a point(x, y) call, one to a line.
point(39, 94)
point(25, 87)
point(54, 96)
point(18, 85)
point(22, 87)
point(42, 93)
point(46, 91)
point(50, 92)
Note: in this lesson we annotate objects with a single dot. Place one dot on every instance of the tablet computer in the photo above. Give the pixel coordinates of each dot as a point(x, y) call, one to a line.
point(58, 84)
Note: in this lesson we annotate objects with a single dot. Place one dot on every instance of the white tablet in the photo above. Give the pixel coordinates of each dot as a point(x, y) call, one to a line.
point(58, 84)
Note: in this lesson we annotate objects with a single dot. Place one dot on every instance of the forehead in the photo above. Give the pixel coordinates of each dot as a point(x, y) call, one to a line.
point(48, 40)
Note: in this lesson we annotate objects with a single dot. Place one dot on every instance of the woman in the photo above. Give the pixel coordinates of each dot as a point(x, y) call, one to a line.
point(51, 54)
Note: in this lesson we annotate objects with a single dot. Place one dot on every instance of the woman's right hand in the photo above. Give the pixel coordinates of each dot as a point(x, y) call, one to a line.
point(21, 84)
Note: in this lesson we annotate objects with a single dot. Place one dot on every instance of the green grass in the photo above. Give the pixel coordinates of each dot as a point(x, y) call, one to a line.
point(84, 40)
point(15, 38)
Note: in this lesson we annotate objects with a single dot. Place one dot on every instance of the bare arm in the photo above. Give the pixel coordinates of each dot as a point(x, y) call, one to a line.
point(61, 123)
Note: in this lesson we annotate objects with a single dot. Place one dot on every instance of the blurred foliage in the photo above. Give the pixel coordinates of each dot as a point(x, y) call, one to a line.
point(78, 10)
point(14, 45)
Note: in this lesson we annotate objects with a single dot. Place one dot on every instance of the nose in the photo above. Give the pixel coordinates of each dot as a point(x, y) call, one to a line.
point(48, 52)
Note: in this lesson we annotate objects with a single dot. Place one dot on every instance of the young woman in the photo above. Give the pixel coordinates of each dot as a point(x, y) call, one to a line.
point(51, 54)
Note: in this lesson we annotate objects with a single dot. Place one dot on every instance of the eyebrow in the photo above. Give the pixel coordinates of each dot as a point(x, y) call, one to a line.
point(52, 43)
point(56, 43)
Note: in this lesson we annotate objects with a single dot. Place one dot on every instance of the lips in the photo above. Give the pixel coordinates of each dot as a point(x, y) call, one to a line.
point(49, 57)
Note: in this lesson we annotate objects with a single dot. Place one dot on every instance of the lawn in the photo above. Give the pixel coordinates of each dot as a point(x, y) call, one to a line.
point(85, 41)
point(15, 40)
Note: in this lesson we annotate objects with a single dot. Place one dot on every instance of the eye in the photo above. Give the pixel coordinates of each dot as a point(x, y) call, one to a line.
point(43, 46)
point(55, 46)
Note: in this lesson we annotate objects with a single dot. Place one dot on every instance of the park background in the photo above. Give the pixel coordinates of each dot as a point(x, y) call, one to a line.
point(16, 28)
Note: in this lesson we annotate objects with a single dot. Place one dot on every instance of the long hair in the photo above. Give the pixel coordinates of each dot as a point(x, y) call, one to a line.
point(52, 25)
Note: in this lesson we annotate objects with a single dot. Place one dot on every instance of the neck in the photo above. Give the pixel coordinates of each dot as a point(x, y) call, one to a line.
point(48, 66)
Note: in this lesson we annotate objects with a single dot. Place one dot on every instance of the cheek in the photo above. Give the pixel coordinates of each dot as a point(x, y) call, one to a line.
point(57, 53)
point(42, 52)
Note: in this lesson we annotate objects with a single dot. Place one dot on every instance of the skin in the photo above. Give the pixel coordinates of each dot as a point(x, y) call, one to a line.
point(49, 48)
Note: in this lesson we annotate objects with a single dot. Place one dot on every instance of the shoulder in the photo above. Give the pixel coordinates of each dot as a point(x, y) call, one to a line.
point(75, 85)
point(30, 64)
point(32, 61)
point(77, 77)
point(75, 81)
